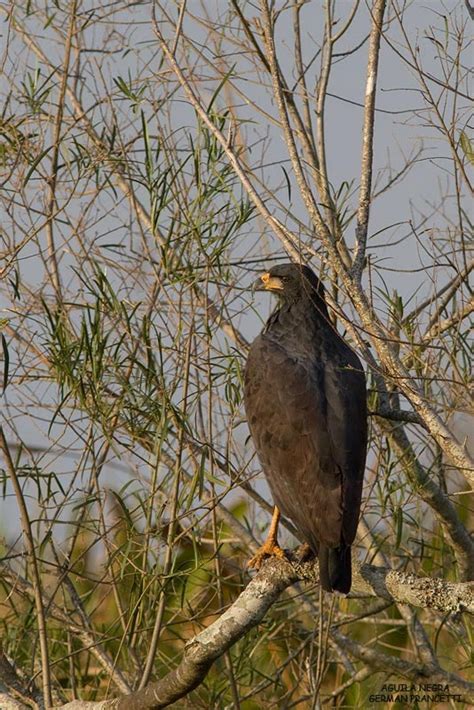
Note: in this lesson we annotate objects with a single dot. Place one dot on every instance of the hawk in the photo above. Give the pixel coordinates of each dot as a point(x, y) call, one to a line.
point(306, 406)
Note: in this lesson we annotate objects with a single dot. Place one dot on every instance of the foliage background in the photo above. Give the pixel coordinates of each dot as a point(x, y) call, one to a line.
point(129, 242)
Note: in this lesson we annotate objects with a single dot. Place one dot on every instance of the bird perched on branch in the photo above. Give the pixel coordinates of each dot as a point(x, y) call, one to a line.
point(305, 400)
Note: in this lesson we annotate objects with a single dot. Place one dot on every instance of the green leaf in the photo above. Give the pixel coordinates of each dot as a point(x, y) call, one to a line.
point(288, 183)
point(466, 147)
point(219, 87)
point(6, 362)
point(35, 165)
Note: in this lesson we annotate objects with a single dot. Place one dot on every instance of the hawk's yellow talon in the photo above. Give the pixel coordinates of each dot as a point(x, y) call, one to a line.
point(270, 547)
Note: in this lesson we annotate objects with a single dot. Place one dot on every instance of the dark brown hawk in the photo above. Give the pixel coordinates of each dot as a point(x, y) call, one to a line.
point(305, 399)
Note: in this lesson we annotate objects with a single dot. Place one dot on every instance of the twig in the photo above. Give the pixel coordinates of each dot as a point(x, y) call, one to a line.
point(179, 27)
point(450, 287)
point(56, 153)
point(439, 326)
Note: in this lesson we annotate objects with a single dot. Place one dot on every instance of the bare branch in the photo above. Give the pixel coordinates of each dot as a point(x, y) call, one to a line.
point(368, 138)
point(449, 289)
point(398, 415)
point(53, 180)
point(439, 326)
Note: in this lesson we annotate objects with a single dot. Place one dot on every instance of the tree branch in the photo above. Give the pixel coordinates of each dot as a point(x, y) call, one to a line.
point(368, 138)
point(397, 415)
point(261, 593)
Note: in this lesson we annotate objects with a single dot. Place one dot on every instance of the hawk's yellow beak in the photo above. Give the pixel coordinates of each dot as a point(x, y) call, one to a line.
point(271, 283)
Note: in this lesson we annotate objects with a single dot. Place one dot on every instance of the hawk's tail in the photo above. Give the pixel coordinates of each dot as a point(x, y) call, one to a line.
point(335, 570)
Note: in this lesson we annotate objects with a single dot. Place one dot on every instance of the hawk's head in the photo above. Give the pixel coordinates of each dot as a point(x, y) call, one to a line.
point(291, 282)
